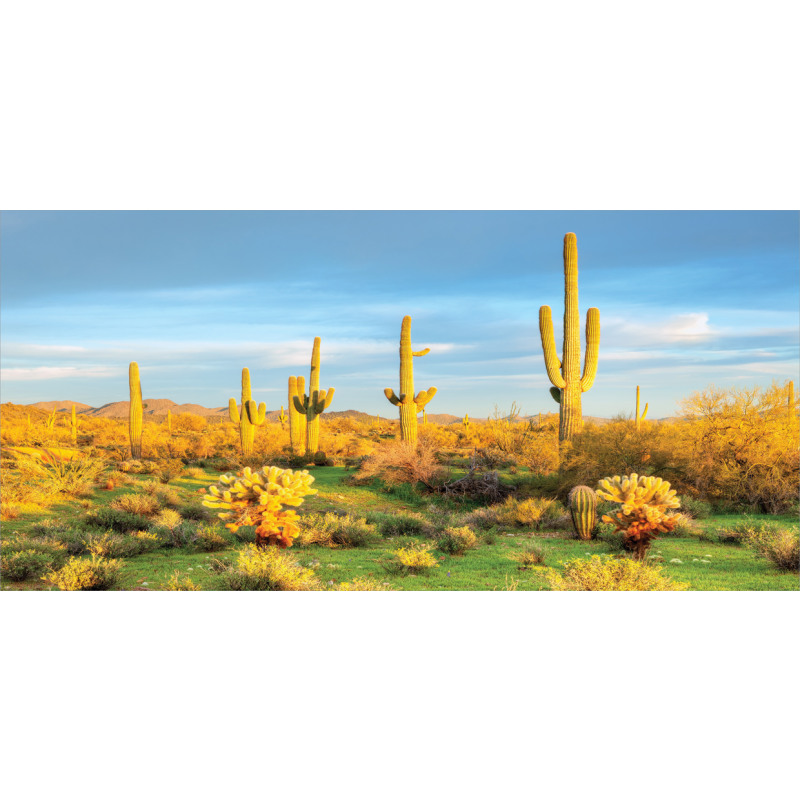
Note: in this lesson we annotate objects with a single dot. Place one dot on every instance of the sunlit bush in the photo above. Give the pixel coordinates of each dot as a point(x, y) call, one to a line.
point(607, 574)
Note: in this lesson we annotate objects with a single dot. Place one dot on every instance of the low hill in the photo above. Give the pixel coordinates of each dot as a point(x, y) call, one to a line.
point(60, 405)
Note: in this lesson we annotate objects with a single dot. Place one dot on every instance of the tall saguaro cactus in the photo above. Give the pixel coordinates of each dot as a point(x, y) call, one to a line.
point(297, 428)
point(409, 404)
point(313, 403)
point(135, 413)
point(249, 416)
point(639, 417)
point(568, 383)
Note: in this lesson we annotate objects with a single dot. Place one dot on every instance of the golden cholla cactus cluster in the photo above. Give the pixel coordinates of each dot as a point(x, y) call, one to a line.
point(645, 502)
point(258, 498)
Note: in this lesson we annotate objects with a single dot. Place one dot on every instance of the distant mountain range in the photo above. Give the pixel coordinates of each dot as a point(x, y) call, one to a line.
point(159, 408)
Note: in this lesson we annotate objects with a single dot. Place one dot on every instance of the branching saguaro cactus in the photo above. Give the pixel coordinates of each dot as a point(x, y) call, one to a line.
point(249, 416)
point(314, 403)
point(135, 412)
point(639, 417)
point(409, 404)
point(568, 383)
point(297, 426)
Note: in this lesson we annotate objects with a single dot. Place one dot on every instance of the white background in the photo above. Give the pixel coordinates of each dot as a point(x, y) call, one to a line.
point(430, 105)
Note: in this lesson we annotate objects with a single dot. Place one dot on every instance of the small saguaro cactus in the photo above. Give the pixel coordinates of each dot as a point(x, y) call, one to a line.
point(249, 416)
point(410, 405)
point(297, 428)
point(565, 376)
point(135, 411)
point(424, 416)
point(639, 417)
point(73, 424)
point(50, 422)
point(583, 510)
point(466, 421)
point(282, 417)
point(313, 403)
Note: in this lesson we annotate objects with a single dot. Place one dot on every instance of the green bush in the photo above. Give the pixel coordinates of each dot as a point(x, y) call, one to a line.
point(456, 541)
point(81, 574)
point(403, 524)
point(267, 569)
point(117, 520)
point(25, 557)
point(336, 530)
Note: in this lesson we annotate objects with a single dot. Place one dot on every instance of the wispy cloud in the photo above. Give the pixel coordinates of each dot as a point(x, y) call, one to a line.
point(55, 373)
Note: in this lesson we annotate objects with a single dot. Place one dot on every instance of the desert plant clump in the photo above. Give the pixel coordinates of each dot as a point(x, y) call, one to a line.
point(414, 559)
point(120, 521)
point(532, 556)
point(208, 540)
point(268, 569)
point(167, 518)
point(607, 574)
point(81, 574)
point(168, 469)
point(405, 462)
point(456, 541)
point(336, 530)
point(143, 504)
point(180, 583)
point(643, 514)
point(695, 507)
point(258, 499)
point(361, 584)
point(25, 557)
point(779, 543)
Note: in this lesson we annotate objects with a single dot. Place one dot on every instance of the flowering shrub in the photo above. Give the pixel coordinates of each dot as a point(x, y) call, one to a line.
point(456, 541)
point(268, 569)
point(258, 498)
point(607, 574)
point(81, 574)
point(643, 514)
point(415, 559)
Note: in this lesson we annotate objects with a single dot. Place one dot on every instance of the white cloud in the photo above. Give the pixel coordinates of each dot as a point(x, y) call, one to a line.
point(50, 373)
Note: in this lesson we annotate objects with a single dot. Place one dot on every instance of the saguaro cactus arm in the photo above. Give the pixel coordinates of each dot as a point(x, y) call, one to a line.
point(551, 361)
point(322, 400)
point(423, 397)
point(592, 348)
point(301, 406)
point(256, 415)
point(392, 397)
point(233, 411)
point(421, 352)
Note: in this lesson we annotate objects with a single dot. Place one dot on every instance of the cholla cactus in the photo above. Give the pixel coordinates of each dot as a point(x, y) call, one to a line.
point(645, 501)
point(258, 498)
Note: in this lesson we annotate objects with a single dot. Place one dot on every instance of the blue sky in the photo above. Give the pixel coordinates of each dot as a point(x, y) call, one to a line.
point(686, 299)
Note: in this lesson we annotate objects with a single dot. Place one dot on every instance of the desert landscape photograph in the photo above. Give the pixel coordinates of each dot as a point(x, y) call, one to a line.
point(394, 401)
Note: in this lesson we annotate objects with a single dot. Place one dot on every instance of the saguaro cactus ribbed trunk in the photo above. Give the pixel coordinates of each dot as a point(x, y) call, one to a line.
point(639, 417)
point(297, 426)
point(135, 412)
point(249, 416)
point(409, 405)
point(313, 403)
point(568, 383)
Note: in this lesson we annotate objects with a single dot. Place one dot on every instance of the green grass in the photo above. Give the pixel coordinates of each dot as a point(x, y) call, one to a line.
point(704, 565)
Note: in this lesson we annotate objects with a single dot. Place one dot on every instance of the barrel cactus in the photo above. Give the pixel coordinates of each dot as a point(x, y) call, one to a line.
point(583, 509)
